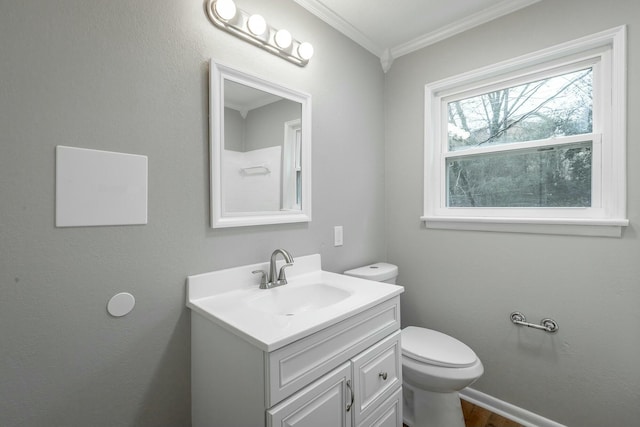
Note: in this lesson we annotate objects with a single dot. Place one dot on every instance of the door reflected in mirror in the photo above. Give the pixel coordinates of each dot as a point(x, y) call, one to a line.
point(260, 151)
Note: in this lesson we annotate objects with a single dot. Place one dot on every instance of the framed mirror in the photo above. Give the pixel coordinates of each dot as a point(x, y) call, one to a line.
point(260, 157)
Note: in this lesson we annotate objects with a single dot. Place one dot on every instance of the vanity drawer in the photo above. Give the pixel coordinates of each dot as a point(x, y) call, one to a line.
point(298, 364)
point(377, 374)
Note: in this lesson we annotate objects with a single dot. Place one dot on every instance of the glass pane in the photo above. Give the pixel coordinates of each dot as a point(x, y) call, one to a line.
point(555, 106)
point(549, 177)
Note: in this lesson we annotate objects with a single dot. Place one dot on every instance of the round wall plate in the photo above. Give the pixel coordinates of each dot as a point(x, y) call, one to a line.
point(121, 304)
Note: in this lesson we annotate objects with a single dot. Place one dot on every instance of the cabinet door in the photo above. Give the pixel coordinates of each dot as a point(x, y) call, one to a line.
point(388, 414)
point(377, 373)
point(321, 404)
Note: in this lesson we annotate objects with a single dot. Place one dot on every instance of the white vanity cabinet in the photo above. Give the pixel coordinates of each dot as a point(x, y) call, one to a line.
point(371, 380)
point(347, 374)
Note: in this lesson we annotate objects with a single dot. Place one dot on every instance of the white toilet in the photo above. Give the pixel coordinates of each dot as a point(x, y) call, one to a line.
point(435, 366)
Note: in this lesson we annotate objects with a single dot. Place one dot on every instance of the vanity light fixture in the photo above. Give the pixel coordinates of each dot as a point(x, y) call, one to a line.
point(225, 9)
point(257, 25)
point(283, 39)
point(253, 28)
point(305, 50)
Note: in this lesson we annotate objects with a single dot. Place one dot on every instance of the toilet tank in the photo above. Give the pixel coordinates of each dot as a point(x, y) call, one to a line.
point(379, 272)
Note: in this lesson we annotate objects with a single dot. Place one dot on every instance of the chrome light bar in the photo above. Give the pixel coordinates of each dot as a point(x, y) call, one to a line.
point(253, 28)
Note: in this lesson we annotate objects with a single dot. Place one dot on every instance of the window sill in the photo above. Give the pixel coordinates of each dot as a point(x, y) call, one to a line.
point(563, 226)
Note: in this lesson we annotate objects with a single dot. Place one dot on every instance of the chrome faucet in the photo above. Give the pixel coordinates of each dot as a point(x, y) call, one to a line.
point(282, 278)
point(271, 281)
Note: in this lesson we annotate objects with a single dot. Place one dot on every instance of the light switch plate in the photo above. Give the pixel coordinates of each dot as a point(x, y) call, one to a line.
point(338, 237)
point(96, 187)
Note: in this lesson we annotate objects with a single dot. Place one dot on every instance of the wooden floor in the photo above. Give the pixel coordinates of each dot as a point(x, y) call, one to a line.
point(475, 416)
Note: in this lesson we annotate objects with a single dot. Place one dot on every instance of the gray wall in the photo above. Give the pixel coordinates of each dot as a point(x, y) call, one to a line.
point(264, 126)
point(131, 76)
point(234, 126)
point(467, 283)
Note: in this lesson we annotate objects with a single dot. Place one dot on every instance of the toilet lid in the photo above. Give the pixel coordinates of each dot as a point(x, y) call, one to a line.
point(436, 348)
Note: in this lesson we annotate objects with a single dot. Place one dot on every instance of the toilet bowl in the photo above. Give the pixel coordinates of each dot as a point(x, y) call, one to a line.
point(435, 366)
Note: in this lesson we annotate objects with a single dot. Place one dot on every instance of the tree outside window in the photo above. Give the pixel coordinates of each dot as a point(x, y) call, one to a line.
point(553, 107)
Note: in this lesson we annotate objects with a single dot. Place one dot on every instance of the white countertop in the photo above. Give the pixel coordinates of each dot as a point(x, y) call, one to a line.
point(223, 297)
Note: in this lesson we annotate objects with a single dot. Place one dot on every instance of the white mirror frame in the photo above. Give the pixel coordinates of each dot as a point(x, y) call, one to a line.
point(218, 74)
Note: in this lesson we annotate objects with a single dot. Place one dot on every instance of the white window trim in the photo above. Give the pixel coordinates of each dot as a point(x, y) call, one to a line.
point(609, 218)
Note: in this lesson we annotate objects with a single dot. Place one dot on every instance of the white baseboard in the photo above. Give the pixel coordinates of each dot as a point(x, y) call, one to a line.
point(507, 410)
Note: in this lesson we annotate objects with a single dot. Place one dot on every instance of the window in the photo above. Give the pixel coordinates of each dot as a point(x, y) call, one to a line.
point(536, 144)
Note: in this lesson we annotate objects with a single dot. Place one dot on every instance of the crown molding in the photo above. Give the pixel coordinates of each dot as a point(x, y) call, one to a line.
point(501, 9)
point(388, 54)
point(330, 17)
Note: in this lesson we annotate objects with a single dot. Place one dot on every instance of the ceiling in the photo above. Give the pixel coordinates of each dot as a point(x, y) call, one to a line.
point(245, 98)
point(392, 28)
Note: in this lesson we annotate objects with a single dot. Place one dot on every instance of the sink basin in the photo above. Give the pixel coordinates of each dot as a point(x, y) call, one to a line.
point(291, 300)
point(272, 318)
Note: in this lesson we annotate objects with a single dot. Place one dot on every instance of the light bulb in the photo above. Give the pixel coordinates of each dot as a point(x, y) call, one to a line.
point(305, 50)
point(257, 25)
point(225, 9)
point(283, 39)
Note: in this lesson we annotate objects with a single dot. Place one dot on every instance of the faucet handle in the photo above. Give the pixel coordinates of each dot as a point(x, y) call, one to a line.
point(263, 278)
point(282, 278)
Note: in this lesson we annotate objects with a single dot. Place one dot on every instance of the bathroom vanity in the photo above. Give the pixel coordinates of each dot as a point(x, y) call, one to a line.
point(323, 350)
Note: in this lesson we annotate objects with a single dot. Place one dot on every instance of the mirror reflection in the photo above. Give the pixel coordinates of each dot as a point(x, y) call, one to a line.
point(261, 161)
point(260, 151)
